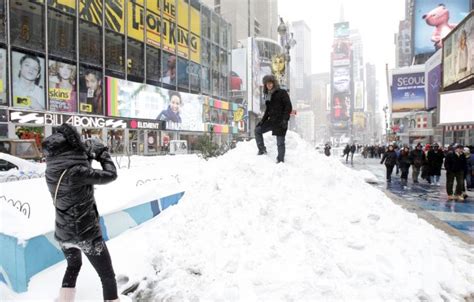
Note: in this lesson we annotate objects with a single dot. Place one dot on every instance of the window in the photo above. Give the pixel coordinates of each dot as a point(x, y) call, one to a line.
point(114, 59)
point(168, 76)
point(215, 29)
point(62, 35)
point(135, 60)
point(90, 43)
point(3, 20)
point(205, 22)
point(183, 77)
point(205, 80)
point(194, 71)
point(215, 83)
point(205, 52)
point(27, 24)
point(153, 65)
point(3, 77)
point(215, 58)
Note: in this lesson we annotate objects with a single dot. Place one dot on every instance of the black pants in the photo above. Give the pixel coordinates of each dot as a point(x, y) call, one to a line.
point(99, 257)
point(450, 176)
point(265, 127)
point(389, 171)
point(405, 169)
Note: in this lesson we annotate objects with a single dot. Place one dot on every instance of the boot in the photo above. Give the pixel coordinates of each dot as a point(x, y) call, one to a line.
point(67, 294)
point(262, 151)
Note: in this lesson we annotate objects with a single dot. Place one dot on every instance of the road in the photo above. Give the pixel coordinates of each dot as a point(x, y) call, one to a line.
point(432, 199)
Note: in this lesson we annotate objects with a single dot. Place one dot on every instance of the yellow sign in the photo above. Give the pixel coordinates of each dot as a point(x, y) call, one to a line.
point(114, 15)
point(22, 101)
point(85, 107)
point(239, 114)
point(91, 10)
point(135, 21)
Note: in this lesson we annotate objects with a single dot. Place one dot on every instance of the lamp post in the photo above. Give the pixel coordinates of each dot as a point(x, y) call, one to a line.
point(385, 109)
point(287, 42)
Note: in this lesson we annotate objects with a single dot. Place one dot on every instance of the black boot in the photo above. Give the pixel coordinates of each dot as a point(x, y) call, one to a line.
point(262, 151)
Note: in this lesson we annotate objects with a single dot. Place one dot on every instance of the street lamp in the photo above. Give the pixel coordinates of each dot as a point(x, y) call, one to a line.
point(385, 109)
point(287, 42)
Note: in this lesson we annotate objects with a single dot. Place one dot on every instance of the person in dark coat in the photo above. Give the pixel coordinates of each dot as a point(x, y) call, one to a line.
point(390, 159)
point(327, 149)
point(70, 180)
point(417, 159)
point(435, 162)
point(404, 163)
point(275, 118)
point(352, 150)
point(455, 165)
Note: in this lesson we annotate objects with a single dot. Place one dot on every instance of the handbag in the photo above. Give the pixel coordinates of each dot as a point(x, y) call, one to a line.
point(57, 187)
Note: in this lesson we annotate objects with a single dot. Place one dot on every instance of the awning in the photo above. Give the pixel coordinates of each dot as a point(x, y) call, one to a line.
point(458, 127)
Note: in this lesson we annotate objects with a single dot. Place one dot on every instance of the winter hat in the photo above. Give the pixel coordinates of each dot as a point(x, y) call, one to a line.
point(65, 139)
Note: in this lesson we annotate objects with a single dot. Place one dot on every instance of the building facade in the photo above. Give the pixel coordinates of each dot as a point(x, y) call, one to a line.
point(321, 105)
point(136, 74)
point(249, 18)
point(300, 63)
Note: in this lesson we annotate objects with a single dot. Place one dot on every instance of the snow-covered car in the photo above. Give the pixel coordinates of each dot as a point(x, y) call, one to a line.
point(23, 148)
point(13, 168)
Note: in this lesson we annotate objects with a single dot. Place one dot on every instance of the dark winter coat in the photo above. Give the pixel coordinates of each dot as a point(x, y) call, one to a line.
point(77, 219)
point(278, 112)
point(327, 150)
point(417, 158)
point(353, 149)
point(390, 158)
point(404, 160)
point(435, 161)
point(455, 163)
point(169, 115)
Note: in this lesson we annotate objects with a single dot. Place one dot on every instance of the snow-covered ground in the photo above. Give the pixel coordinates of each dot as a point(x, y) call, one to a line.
point(249, 229)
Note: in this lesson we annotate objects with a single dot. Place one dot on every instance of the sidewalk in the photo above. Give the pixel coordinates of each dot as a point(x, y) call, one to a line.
point(432, 199)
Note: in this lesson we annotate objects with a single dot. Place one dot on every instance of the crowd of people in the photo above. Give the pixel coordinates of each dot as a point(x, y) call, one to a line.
point(426, 163)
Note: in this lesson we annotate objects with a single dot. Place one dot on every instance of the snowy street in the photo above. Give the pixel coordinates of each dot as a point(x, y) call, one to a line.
point(433, 199)
point(248, 229)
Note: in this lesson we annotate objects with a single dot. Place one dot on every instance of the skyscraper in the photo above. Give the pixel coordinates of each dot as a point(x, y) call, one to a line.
point(249, 18)
point(300, 63)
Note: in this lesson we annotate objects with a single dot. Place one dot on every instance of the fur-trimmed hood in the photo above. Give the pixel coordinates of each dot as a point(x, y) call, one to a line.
point(270, 78)
point(66, 139)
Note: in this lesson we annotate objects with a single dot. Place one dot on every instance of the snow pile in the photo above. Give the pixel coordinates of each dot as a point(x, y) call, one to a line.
point(306, 230)
point(249, 229)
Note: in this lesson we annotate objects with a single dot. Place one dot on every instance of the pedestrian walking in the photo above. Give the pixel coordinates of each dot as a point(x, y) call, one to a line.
point(327, 149)
point(390, 159)
point(275, 118)
point(470, 169)
point(71, 179)
point(404, 163)
point(347, 150)
point(434, 163)
point(417, 159)
point(455, 164)
point(353, 150)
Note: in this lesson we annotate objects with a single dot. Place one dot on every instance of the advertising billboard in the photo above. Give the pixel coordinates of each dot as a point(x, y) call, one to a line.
point(359, 120)
point(341, 29)
point(3, 77)
point(433, 79)
point(238, 80)
point(341, 54)
point(433, 21)
point(171, 35)
point(408, 91)
point(450, 102)
point(28, 81)
point(341, 107)
point(62, 87)
point(341, 79)
point(253, 76)
point(458, 53)
point(180, 111)
point(91, 91)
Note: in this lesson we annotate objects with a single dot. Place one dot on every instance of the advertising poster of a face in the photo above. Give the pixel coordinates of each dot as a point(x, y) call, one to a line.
point(62, 87)
point(90, 94)
point(28, 81)
point(3, 77)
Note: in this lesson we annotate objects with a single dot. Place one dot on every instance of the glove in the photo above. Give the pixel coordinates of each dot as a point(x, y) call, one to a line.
point(94, 148)
point(259, 123)
point(284, 124)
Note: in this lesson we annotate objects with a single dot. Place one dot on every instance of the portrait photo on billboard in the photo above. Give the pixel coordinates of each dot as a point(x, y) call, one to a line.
point(91, 91)
point(28, 81)
point(341, 107)
point(408, 92)
point(62, 86)
point(169, 74)
point(3, 77)
point(432, 22)
point(183, 111)
point(458, 54)
point(341, 79)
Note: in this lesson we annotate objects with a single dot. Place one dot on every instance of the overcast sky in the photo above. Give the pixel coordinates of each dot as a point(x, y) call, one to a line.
point(377, 21)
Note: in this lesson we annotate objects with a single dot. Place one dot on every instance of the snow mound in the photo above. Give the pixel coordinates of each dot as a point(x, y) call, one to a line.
point(310, 229)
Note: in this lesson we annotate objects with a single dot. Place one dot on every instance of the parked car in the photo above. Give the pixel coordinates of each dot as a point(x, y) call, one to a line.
point(13, 168)
point(22, 148)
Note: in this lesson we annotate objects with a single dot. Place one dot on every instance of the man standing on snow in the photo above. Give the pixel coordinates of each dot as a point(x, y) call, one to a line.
point(275, 118)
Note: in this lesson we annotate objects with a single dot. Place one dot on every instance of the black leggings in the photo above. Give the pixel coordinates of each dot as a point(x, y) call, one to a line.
point(99, 257)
